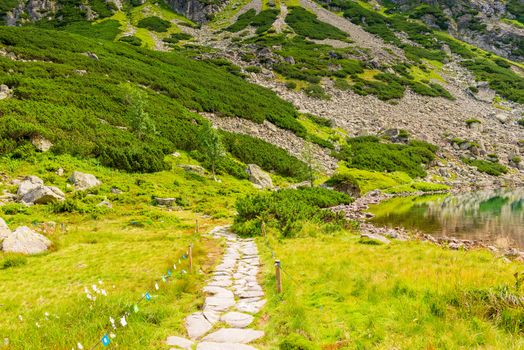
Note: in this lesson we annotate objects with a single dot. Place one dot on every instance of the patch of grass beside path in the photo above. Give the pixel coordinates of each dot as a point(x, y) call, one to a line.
point(344, 294)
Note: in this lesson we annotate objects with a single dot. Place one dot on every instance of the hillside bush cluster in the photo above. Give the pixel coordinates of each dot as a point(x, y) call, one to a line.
point(501, 78)
point(306, 24)
point(261, 21)
point(487, 167)
point(90, 115)
point(288, 209)
point(154, 23)
point(369, 153)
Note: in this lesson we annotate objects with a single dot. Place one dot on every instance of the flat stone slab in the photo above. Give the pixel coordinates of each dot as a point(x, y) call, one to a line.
point(182, 343)
point(237, 319)
point(250, 306)
point(219, 291)
point(197, 325)
point(250, 294)
point(234, 335)
point(223, 346)
point(219, 303)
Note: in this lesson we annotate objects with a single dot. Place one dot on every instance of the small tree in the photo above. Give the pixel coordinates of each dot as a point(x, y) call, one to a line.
point(211, 145)
point(308, 157)
point(140, 121)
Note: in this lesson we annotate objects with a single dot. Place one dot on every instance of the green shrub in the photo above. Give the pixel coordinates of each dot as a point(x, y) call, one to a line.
point(243, 21)
point(287, 209)
point(315, 91)
point(295, 341)
point(369, 153)
point(487, 167)
point(131, 39)
point(521, 121)
point(321, 121)
point(306, 24)
point(291, 85)
point(271, 158)
point(12, 261)
point(14, 208)
point(253, 69)
point(154, 23)
point(262, 21)
point(176, 37)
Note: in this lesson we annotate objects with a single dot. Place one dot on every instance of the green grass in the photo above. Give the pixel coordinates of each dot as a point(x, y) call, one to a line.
point(340, 293)
point(395, 182)
point(154, 23)
point(127, 247)
point(487, 167)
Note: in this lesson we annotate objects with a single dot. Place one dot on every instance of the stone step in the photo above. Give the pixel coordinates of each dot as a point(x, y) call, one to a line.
point(234, 335)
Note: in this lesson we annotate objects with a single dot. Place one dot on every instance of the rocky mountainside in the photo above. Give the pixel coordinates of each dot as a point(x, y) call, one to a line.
point(494, 25)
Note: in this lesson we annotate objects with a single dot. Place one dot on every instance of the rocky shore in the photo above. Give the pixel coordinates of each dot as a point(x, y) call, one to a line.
point(357, 211)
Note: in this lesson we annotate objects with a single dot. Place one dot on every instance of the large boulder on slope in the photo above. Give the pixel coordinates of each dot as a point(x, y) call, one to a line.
point(259, 177)
point(23, 240)
point(83, 181)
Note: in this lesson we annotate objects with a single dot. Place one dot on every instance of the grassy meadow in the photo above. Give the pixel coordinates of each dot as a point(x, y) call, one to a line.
point(342, 293)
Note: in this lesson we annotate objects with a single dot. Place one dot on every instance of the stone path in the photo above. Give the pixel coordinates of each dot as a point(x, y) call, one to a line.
point(234, 296)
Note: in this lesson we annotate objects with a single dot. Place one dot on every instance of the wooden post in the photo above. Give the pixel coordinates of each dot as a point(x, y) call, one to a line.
point(190, 251)
point(196, 226)
point(263, 229)
point(278, 276)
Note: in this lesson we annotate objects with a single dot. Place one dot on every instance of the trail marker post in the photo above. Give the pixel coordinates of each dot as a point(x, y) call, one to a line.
point(190, 253)
point(278, 276)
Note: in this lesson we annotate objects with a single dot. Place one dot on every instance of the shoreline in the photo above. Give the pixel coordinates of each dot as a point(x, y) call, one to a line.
point(357, 211)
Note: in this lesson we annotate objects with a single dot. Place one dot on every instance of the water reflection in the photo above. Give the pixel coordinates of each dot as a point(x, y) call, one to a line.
point(496, 216)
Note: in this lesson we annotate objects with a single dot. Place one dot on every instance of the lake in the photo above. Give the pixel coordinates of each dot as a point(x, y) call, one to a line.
point(496, 216)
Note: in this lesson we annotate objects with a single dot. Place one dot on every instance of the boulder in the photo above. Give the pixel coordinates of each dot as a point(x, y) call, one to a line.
point(502, 118)
point(193, 169)
point(41, 143)
point(258, 177)
point(167, 202)
point(83, 181)
point(105, 203)
point(43, 195)
point(28, 184)
point(5, 92)
point(25, 241)
point(4, 230)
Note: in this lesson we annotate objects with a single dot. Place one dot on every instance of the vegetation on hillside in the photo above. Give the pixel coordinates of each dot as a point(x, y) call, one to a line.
point(306, 24)
point(369, 153)
point(90, 115)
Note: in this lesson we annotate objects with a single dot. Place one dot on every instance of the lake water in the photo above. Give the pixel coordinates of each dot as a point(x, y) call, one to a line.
point(496, 216)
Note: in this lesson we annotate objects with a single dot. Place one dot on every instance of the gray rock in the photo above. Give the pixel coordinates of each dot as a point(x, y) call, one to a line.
point(223, 346)
point(28, 184)
point(4, 230)
point(289, 60)
point(41, 143)
point(115, 190)
point(197, 325)
point(218, 303)
point(182, 343)
point(197, 169)
point(84, 181)
point(237, 319)
point(43, 195)
point(234, 335)
point(375, 237)
point(166, 202)
point(25, 241)
point(5, 92)
point(502, 118)
point(105, 203)
point(258, 177)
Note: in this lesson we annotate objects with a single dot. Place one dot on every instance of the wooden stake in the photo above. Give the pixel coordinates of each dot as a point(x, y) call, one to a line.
point(196, 226)
point(263, 229)
point(278, 276)
point(191, 258)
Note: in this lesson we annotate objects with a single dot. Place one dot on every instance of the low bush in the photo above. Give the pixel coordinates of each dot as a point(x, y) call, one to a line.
point(306, 24)
point(295, 341)
point(369, 153)
point(131, 39)
point(288, 209)
point(154, 23)
point(321, 121)
point(12, 261)
point(487, 167)
point(271, 158)
point(176, 37)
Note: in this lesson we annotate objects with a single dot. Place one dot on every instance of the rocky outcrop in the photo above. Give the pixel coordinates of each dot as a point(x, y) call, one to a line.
point(33, 191)
point(4, 230)
point(83, 181)
point(197, 11)
point(5, 92)
point(23, 240)
point(258, 177)
point(31, 11)
point(41, 143)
